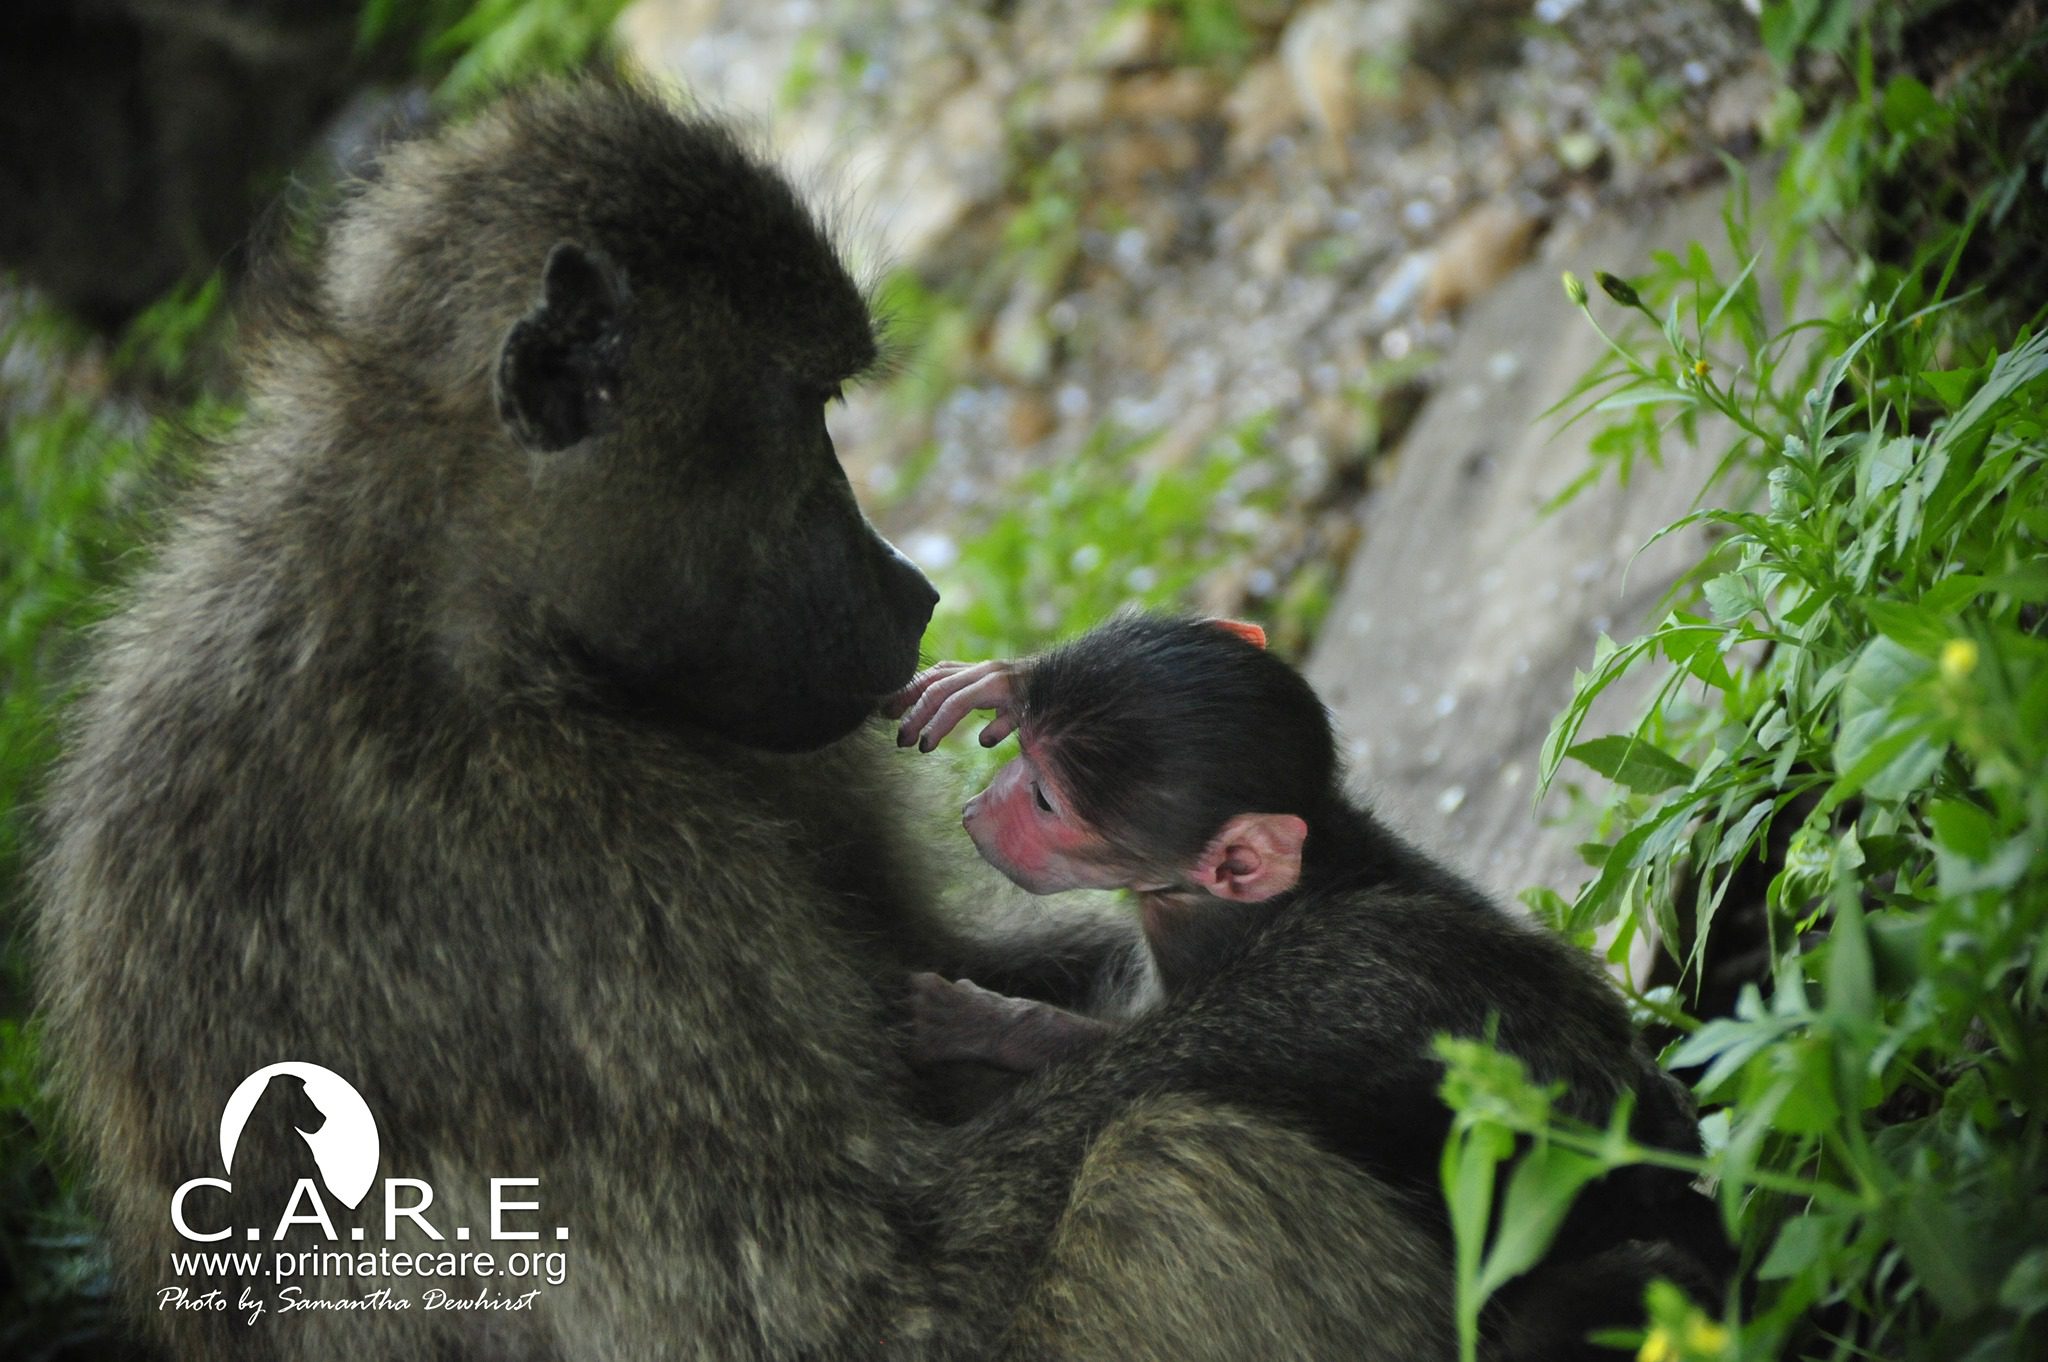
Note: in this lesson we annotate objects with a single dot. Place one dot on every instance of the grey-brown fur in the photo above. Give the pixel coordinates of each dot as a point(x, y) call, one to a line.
point(412, 754)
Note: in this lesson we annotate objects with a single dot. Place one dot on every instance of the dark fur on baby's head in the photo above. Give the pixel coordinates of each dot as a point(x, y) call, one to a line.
point(1160, 729)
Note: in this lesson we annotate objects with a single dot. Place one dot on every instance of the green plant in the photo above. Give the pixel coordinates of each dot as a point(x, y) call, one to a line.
point(1857, 674)
point(57, 1295)
point(832, 59)
point(1890, 169)
point(1100, 532)
point(475, 47)
point(1792, 27)
point(1638, 108)
point(1205, 31)
point(79, 465)
point(1043, 236)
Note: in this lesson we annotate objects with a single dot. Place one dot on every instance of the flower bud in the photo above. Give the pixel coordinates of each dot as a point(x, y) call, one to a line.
point(1618, 289)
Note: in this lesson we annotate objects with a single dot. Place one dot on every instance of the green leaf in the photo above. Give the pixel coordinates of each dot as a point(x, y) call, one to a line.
point(1809, 1106)
point(2012, 371)
point(1599, 892)
point(1908, 107)
point(1851, 978)
point(373, 22)
point(1884, 756)
point(1881, 747)
point(1729, 1044)
point(1547, 904)
point(1941, 1244)
point(1466, 1169)
point(1735, 840)
point(1695, 645)
point(2028, 582)
point(1540, 1191)
point(1971, 852)
point(1951, 386)
point(1962, 829)
point(1953, 592)
point(1911, 626)
point(1749, 1127)
point(1774, 729)
point(2025, 1288)
point(1787, 500)
point(1610, 663)
point(1731, 596)
point(1883, 463)
point(1648, 395)
point(1897, 941)
point(1800, 1243)
point(1781, 29)
point(1633, 762)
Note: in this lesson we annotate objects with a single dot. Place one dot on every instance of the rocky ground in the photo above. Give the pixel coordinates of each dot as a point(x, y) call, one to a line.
point(1151, 219)
point(1313, 225)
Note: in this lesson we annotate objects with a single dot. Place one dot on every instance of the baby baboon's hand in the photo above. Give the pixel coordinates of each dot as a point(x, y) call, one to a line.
point(952, 1019)
point(939, 697)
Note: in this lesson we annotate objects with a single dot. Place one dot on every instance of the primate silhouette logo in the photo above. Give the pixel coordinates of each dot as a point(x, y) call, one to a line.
point(344, 1147)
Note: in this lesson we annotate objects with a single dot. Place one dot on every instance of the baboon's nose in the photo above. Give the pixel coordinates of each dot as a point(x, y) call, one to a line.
point(919, 593)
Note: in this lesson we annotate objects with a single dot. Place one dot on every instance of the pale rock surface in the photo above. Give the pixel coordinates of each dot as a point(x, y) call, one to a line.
point(1451, 646)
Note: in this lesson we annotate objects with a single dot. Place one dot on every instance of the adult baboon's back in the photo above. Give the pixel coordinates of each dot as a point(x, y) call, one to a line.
point(487, 732)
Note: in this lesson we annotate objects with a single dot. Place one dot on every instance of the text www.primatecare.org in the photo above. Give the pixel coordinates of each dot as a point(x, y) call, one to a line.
point(372, 1263)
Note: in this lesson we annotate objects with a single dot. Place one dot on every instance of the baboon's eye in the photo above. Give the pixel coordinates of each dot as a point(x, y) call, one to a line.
point(1038, 793)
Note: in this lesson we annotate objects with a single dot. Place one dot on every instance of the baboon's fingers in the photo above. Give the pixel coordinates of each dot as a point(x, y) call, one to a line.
point(1001, 727)
point(937, 692)
point(920, 686)
point(902, 700)
point(990, 692)
point(894, 706)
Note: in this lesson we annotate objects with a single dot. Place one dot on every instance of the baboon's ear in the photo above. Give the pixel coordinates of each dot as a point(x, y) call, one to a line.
point(558, 374)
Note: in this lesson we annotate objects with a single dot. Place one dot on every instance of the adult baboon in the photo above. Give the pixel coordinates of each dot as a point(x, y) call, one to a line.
point(488, 731)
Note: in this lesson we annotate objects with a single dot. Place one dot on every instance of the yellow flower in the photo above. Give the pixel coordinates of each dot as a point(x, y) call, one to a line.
point(1658, 1347)
point(1700, 368)
point(1958, 659)
point(1703, 1335)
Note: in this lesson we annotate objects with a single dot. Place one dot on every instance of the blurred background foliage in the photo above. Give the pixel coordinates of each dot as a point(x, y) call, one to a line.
point(1832, 815)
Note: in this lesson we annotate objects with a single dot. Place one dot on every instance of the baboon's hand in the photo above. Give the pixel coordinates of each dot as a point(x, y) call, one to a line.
point(952, 1019)
point(939, 697)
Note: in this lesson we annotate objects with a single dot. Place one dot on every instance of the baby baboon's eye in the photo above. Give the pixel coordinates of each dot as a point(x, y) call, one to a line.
point(1038, 793)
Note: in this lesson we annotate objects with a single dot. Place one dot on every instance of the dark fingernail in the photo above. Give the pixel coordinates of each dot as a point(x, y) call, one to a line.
point(924, 744)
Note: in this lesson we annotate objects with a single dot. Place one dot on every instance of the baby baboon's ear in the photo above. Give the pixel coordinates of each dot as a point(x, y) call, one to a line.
point(558, 374)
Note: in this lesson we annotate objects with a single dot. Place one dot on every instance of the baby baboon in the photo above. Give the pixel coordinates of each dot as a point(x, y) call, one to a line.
point(1309, 955)
point(488, 730)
